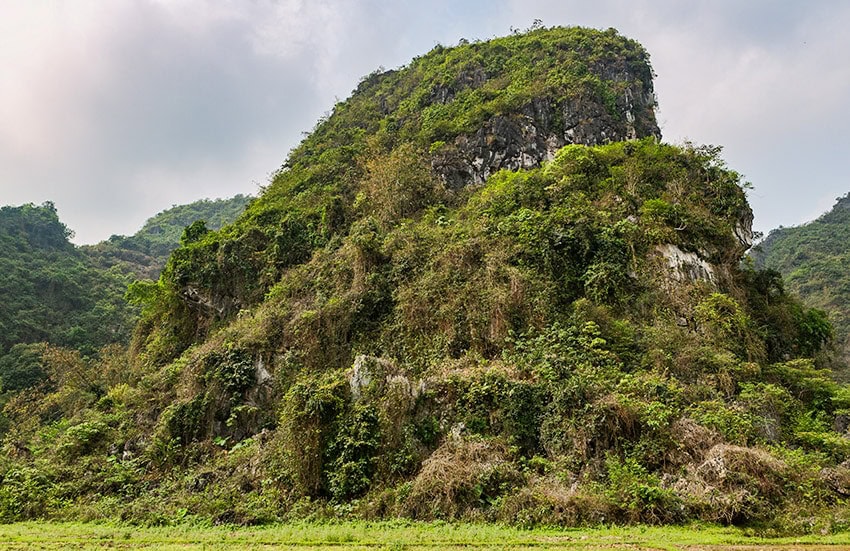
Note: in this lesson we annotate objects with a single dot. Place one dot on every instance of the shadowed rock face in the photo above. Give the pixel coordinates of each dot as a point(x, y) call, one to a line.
point(743, 230)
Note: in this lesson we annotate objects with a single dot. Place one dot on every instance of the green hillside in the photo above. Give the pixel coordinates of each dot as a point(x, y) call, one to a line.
point(813, 259)
point(480, 289)
point(51, 293)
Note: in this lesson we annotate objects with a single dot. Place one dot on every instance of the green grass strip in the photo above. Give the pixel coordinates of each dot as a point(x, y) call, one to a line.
point(396, 535)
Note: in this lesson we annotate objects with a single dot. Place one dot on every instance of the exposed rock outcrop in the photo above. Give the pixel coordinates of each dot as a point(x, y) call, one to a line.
point(218, 307)
point(380, 376)
point(366, 371)
point(684, 266)
point(532, 134)
point(744, 229)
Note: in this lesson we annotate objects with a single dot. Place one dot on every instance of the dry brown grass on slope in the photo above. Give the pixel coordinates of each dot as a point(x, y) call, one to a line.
point(460, 474)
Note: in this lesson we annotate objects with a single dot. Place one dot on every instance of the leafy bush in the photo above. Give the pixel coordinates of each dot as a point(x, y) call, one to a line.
point(26, 494)
point(351, 453)
point(639, 494)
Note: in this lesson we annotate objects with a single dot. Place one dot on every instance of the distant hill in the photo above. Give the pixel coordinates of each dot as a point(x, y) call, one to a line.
point(144, 253)
point(73, 297)
point(814, 259)
point(51, 291)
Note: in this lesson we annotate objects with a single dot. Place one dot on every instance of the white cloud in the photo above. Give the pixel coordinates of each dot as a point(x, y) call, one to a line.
point(101, 104)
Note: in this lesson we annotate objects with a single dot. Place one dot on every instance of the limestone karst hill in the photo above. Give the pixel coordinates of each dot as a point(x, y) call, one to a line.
point(481, 288)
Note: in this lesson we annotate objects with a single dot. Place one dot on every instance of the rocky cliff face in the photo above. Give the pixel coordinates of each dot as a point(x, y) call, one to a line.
point(534, 132)
point(707, 264)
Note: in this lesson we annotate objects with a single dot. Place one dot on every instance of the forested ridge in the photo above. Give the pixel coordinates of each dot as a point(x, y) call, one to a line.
point(482, 288)
point(813, 260)
point(57, 294)
point(52, 293)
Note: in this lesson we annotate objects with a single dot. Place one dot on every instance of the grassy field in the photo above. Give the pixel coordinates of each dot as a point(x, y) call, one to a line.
point(395, 535)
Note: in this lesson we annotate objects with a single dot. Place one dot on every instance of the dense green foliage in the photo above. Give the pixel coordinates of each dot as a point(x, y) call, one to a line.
point(51, 292)
point(571, 342)
point(73, 297)
point(813, 260)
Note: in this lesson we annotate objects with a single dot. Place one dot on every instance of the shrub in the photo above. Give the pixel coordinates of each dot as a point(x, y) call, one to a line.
point(638, 494)
point(461, 475)
point(26, 493)
point(81, 438)
point(351, 453)
point(734, 485)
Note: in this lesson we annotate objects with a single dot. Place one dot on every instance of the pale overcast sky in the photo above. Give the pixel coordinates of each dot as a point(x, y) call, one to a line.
point(117, 109)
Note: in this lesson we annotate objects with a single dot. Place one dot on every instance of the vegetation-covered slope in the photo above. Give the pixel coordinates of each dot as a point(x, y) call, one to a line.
point(459, 114)
point(464, 295)
point(813, 259)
